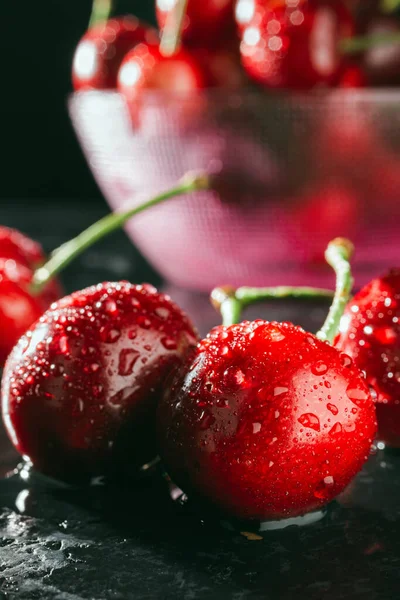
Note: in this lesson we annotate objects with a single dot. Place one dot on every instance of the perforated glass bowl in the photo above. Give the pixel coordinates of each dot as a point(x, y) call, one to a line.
point(292, 173)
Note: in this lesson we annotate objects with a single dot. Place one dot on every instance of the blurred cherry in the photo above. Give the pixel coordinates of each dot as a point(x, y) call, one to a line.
point(19, 308)
point(324, 212)
point(100, 52)
point(14, 245)
point(295, 45)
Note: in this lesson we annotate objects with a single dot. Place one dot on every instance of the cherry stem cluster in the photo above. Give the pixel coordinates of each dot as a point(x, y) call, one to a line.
point(171, 35)
point(101, 11)
point(230, 302)
point(62, 256)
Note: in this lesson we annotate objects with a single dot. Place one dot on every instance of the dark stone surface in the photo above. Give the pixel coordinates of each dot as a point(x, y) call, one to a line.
point(132, 542)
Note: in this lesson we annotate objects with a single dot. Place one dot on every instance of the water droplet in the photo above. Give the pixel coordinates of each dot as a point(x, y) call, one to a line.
point(310, 421)
point(323, 489)
point(132, 334)
point(135, 303)
point(169, 343)
point(336, 429)
point(332, 408)
point(256, 427)
point(278, 391)
point(127, 360)
point(277, 414)
point(319, 368)
point(109, 334)
point(162, 312)
point(275, 335)
point(358, 396)
point(345, 360)
point(111, 307)
point(327, 384)
point(144, 322)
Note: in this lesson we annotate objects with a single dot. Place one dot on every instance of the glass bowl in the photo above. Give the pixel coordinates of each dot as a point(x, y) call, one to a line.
point(291, 172)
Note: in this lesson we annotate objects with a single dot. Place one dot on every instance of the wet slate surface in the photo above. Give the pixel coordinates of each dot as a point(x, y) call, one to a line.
point(133, 542)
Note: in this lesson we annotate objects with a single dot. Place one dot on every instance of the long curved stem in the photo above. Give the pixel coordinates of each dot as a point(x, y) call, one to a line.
point(338, 255)
point(171, 35)
point(101, 11)
point(66, 253)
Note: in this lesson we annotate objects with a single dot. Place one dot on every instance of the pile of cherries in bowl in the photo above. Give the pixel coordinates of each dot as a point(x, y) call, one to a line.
point(283, 44)
point(262, 420)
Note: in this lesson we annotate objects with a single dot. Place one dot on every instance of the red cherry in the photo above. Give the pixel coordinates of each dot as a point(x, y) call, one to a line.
point(295, 44)
point(206, 21)
point(100, 52)
point(145, 68)
point(16, 246)
point(151, 83)
point(370, 334)
point(266, 421)
point(18, 308)
point(79, 389)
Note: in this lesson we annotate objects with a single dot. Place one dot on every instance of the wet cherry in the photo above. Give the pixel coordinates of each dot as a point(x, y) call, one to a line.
point(145, 68)
point(100, 52)
point(79, 389)
point(370, 334)
point(266, 421)
point(206, 21)
point(294, 44)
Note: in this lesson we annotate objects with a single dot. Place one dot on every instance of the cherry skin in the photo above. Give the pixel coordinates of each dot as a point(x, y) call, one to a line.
point(265, 421)
point(295, 45)
point(206, 21)
point(370, 334)
point(79, 389)
point(101, 50)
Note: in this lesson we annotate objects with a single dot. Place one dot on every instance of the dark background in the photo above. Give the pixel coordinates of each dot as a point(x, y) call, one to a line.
point(41, 157)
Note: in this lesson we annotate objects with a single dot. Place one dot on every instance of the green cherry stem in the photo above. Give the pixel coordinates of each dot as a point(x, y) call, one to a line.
point(171, 35)
point(101, 11)
point(338, 255)
point(62, 256)
point(230, 302)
